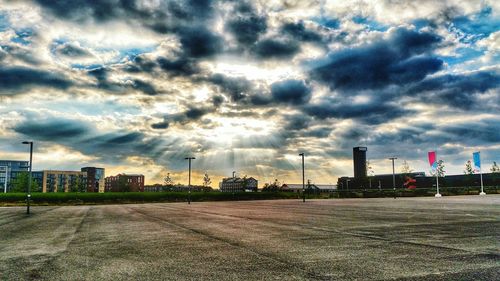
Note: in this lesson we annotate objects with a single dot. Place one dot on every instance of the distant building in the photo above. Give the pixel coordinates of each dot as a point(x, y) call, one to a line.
point(311, 187)
point(236, 184)
point(359, 158)
point(61, 181)
point(384, 181)
point(125, 182)
point(95, 179)
point(176, 187)
point(11, 168)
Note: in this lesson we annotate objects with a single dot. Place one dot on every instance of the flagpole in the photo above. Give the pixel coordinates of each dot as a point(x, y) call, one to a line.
point(482, 190)
point(477, 163)
point(437, 184)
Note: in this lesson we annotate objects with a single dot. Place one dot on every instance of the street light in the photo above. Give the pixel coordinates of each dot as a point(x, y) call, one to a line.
point(189, 180)
point(393, 176)
point(28, 195)
point(303, 179)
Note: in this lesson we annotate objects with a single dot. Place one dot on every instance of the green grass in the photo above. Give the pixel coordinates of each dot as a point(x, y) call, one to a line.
point(73, 198)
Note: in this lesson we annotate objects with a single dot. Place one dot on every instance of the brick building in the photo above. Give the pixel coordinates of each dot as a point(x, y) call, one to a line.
point(95, 179)
point(124, 183)
point(237, 184)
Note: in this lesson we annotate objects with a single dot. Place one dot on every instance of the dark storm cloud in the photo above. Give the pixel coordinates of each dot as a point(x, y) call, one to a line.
point(375, 112)
point(105, 10)
point(427, 135)
point(247, 29)
point(291, 91)
point(217, 100)
point(322, 132)
point(189, 115)
point(117, 146)
point(236, 87)
point(178, 67)
point(144, 87)
point(71, 50)
point(199, 42)
point(20, 52)
point(101, 75)
point(298, 31)
point(401, 59)
point(457, 90)
point(486, 131)
point(276, 48)
point(297, 122)
point(18, 78)
point(187, 19)
point(160, 125)
point(51, 130)
point(140, 63)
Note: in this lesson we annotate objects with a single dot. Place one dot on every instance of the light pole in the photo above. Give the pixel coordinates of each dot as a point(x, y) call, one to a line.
point(393, 176)
point(28, 195)
point(303, 179)
point(189, 178)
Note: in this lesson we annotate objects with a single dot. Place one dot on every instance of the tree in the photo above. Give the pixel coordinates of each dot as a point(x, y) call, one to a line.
point(469, 172)
point(168, 180)
point(369, 172)
point(123, 184)
point(20, 183)
point(495, 171)
point(77, 185)
point(275, 186)
point(206, 180)
point(468, 168)
point(439, 170)
point(405, 168)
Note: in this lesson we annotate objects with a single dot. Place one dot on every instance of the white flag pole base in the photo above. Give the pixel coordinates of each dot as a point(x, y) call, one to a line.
point(438, 195)
point(482, 193)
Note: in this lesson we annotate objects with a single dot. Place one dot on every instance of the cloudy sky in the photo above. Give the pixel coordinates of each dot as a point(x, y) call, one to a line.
point(137, 85)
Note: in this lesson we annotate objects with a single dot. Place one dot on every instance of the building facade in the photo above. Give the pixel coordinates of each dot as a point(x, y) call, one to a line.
point(9, 170)
point(359, 158)
point(63, 181)
point(124, 183)
point(95, 179)
point(237, 184)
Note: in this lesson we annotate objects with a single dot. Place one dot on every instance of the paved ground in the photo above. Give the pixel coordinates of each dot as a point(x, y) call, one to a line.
point(452, 238)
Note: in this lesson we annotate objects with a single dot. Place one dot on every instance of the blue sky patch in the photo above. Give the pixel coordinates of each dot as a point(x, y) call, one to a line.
point(23, 36)
point(479, 25)
point(327, 22)
point(4, 21)
point(371, 24)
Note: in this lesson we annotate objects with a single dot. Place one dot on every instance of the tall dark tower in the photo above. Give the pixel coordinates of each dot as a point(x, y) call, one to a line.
point(359, 157)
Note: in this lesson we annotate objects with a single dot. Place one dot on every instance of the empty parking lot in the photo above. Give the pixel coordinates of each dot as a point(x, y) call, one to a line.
point(452, 238)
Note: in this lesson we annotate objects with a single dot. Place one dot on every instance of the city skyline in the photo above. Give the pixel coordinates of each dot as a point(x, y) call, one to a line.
point(245, 86)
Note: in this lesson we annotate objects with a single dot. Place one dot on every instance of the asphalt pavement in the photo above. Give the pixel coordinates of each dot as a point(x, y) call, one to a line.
point(449, 238)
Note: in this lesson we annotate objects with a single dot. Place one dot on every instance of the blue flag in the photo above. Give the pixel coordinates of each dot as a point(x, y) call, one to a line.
point(477, 160)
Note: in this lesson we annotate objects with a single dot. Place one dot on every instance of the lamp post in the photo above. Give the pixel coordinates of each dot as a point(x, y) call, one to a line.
point(303, 179)
point(393, 176)
point(28, 195)
point(189, 178)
